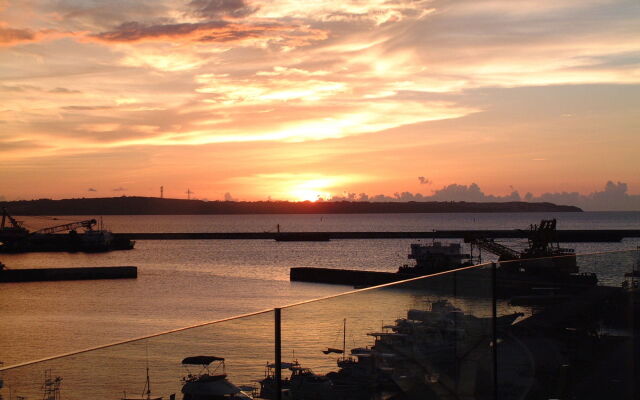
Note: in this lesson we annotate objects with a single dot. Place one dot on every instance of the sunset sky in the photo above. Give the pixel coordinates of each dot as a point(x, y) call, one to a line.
point(293, 100)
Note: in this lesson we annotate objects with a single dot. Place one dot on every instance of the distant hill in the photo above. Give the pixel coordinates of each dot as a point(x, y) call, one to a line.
point(156, 206)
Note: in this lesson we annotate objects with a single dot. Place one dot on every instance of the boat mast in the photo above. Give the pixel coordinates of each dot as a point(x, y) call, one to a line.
point(344, 339)
point(148, 385)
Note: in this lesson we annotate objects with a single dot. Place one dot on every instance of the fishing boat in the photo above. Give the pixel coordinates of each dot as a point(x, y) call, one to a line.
point(210, 382)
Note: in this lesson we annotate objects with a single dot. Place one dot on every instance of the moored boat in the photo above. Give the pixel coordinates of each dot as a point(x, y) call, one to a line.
point(210, 383)
point(15, 238)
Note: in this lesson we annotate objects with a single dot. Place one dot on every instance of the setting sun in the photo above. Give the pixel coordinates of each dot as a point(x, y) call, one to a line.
point(312, 190)
point(309, 195)
point(253, 100)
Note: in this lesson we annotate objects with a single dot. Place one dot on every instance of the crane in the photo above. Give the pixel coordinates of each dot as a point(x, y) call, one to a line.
point(86, 224)
point(13, 230)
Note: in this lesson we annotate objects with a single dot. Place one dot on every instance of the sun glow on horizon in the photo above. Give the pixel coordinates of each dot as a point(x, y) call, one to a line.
point(312, 189)
point(309, 195)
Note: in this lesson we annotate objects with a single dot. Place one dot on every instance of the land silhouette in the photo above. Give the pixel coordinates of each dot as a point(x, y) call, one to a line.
point(128, 205)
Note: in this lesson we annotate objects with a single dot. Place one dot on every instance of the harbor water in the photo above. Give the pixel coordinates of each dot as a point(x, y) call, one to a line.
point(188, 282)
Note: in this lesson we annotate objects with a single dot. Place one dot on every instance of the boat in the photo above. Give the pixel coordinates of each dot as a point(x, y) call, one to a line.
point(435, 257)
point(432, 351)
point(16, 238)
point(430, 258)
point(51, 386)
point(543, 255)
point(210, 383)
point(269, 383)
point(360, 375)
point(302, 383)
point(146, 392)
point(631, 283)
point(11, 229)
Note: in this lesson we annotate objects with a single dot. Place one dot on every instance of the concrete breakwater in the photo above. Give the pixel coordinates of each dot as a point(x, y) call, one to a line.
point(67, 274)
point(609, 235)
point(345, 276)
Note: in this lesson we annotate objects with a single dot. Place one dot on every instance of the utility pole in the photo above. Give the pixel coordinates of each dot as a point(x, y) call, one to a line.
point(162, 192)
point(189, 193)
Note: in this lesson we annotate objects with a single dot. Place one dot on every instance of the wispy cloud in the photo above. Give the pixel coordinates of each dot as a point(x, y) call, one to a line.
point(364, 81)
point(213, 9)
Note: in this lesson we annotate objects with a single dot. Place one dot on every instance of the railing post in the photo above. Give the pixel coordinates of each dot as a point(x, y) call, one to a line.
point(494, 312)
point(278, 352)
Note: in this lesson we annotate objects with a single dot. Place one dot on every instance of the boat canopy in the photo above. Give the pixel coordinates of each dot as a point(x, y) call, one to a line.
point(201, 360)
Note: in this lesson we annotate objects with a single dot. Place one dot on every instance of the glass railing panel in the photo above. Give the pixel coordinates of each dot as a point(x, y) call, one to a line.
point(120, 371)
point(429, 337)
point(538, 328)
point(578, 337)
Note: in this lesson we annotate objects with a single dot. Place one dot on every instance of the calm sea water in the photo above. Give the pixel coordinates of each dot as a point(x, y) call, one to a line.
point(187, 282)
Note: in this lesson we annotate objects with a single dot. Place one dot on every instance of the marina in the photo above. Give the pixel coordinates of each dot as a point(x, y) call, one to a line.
point(435, 343)
point(322, 200)
point(247, 343)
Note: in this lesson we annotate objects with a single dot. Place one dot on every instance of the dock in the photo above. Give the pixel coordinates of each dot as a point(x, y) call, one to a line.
point(67, 274)
point(564, 236)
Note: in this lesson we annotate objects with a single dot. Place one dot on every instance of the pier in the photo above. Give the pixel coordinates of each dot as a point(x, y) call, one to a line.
point(565, 236)
point(67, 274)
point(345, 276)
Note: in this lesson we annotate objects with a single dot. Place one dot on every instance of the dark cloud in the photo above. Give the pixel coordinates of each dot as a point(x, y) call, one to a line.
point(92, 190)
point(211, 31)
point(27, 88)
point(86, 108)
point(88, 15)
point(216, 9)
point(18, 88)
point(9, 36)
point(119, 189)
point(13, 36)
point(62, 90)
point(136, 31)
point(424, 181)
point(11, 145)
point(613, 197)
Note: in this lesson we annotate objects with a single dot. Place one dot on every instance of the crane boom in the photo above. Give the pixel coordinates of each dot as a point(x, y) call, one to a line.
point(86, 224)
point(498, 249)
